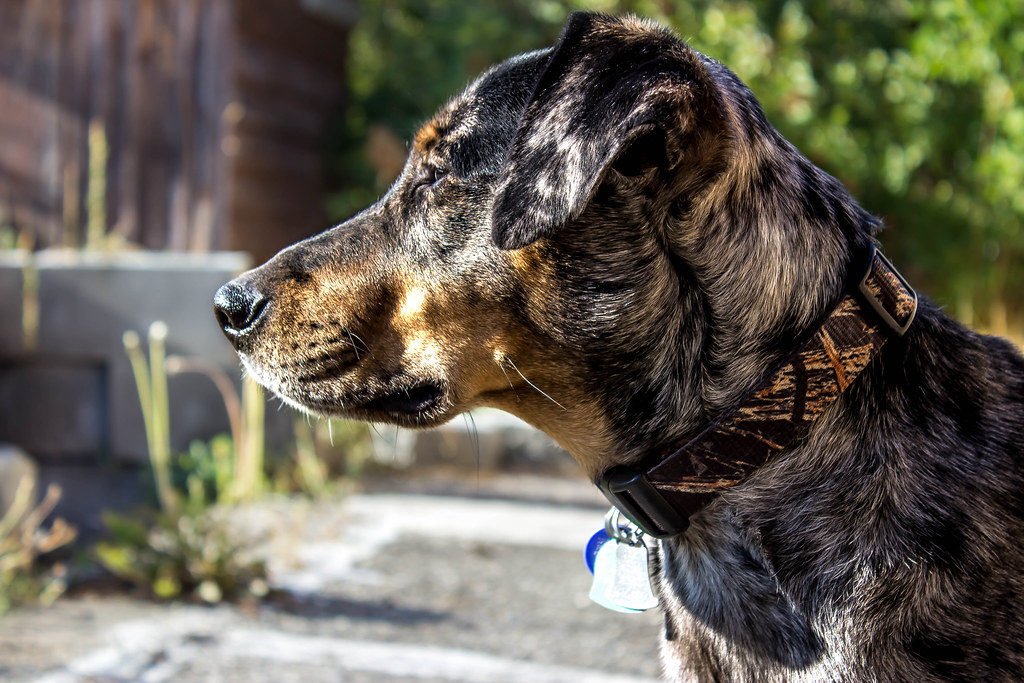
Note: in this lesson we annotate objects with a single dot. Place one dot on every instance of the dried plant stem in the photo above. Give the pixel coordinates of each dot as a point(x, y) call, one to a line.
point(249, 454)
point(161, 452)
point(151, 382)
point(140, 369)
point(96, 197)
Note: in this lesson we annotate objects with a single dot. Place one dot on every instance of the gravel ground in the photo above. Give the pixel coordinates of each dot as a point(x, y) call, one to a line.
point(383, 586)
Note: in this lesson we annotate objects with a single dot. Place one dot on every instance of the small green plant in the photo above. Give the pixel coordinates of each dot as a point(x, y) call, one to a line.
point(234, 469)
point(325, 450)
point(23, 538)
point(171, 556)
point(183, 548)
point(239, 461)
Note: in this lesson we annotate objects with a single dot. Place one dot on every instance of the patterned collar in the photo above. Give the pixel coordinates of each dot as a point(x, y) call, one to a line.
point(660, 499)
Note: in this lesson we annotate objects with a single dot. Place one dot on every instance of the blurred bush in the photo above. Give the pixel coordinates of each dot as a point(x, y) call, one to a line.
point(196, 554)
point(916, 105)
point(183, 547)
point(23, 538)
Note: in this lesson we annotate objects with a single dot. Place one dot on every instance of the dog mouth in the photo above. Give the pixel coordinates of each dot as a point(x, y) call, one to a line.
point(416, 401)
point(327, 384)
point(421, 404)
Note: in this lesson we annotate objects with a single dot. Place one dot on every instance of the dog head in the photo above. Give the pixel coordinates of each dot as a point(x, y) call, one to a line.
point(540, 252)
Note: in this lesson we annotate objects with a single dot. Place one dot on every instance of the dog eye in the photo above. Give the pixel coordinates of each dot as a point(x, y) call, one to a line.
point(431, 175)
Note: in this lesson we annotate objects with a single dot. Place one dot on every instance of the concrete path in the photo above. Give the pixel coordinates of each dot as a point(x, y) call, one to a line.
point(380, 587)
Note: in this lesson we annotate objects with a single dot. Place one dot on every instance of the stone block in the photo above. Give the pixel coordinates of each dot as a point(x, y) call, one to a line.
point(54, 409)
point(12, 264)
point(87, 301)
point(15, 466)
point(86, 491)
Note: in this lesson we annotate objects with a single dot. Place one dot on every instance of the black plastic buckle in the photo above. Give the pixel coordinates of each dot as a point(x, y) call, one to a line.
point(629, 491)
point(877, 305)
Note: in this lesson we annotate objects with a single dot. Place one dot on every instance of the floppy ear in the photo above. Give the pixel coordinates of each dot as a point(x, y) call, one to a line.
point(610, 83)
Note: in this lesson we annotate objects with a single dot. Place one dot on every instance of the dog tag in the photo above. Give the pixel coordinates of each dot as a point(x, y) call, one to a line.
point(621, 579)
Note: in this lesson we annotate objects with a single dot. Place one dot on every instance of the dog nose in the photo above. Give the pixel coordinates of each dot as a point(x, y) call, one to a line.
point(238, 306)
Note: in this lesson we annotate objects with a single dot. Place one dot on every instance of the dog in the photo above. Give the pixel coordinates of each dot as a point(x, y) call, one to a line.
point(608, 239)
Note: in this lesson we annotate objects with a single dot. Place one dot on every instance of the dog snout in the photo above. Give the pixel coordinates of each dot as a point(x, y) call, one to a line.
point(238, 306)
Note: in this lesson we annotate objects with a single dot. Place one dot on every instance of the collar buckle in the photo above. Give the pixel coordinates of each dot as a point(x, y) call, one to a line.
point(878, 291)
point(629, 490)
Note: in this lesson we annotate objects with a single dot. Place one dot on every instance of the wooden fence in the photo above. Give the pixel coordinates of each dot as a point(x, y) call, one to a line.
point(211, 113)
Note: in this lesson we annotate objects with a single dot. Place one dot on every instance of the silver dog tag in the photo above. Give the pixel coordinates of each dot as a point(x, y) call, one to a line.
point(621, 578)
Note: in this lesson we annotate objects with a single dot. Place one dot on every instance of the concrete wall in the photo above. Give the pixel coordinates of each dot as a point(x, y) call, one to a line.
point(66, 389)
point(67, 394)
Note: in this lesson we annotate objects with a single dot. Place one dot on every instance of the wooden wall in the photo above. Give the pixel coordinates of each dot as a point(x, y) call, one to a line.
point(288, 79)
point(213, 110)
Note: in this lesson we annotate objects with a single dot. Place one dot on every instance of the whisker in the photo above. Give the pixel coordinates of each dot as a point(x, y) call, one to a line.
point(366, 347)
point(394, 449)
point(511, 386)
point(542, 393)
point(475, 436)
point(373, 443)
point(354, 347)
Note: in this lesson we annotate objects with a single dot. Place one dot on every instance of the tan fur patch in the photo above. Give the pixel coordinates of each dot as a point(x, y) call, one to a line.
point(546, 396)
point(427, 136)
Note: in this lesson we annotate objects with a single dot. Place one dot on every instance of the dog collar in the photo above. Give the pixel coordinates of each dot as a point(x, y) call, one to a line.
point(661, 499)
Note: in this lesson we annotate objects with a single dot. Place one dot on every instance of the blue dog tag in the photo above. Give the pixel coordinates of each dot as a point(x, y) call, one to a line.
point(593, 546)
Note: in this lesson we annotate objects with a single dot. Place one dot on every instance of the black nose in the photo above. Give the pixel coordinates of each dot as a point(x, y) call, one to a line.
point(238, 307)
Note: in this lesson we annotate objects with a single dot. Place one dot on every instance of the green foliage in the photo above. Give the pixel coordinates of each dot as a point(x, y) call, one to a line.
point(193, 554)
point(183, 547)
point(23, 538)
point(310, 471)
point(326, 451)
point(348, 445)
point(188, 550)
point(916, 105)
point(206, 471)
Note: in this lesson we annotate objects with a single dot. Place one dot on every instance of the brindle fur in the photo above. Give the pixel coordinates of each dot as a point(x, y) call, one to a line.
point(615, 246)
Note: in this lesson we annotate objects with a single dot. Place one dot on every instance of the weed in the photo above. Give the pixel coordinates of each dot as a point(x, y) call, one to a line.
point(182, 547)
point(23, 538)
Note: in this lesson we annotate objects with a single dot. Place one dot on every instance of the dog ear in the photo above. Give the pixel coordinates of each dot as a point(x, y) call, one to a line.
point(616, 91)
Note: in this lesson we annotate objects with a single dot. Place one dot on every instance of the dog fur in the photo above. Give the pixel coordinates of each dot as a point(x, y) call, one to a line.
point(608, 239)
